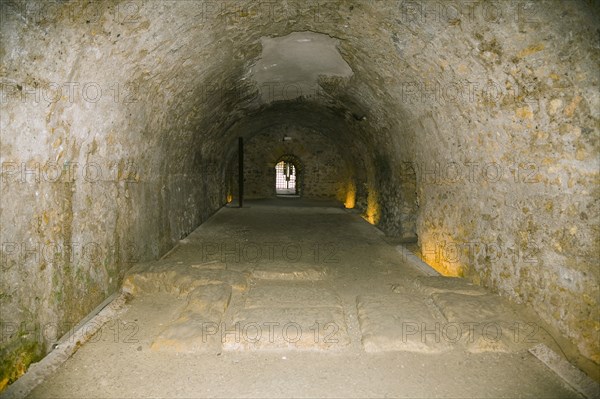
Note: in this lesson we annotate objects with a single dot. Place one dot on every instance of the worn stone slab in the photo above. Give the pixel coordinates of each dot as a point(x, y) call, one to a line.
point(460, 307)
point(289, 272)
point(188, 336)
point(192, 331)
point(180, 279)
point(488, 323)
point(399, 322)
point(290, 295)
point(309, 329)
point(402, 286)
point(210, 265)
point(440, 284)
point(209, 299)
point(190, 278)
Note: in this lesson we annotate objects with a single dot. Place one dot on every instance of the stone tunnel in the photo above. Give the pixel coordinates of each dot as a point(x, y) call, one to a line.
point(389, 171)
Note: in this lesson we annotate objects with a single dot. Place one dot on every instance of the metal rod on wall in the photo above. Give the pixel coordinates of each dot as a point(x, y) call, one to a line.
point(241, 170)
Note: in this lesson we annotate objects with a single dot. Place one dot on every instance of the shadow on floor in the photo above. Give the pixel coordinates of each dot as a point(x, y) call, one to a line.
point(289, 200)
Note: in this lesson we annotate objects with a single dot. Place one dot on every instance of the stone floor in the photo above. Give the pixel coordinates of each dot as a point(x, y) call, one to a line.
point(295, 298)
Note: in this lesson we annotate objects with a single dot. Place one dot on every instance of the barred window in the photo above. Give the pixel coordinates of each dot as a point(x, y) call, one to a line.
point(285, 178)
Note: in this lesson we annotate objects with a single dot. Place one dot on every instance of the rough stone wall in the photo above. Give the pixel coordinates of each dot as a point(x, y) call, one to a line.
point(508, 196)
point(87, 185)
point(324, 173)
point(490, 87)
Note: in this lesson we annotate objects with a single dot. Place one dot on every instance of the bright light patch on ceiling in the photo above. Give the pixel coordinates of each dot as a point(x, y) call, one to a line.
point(290, 66)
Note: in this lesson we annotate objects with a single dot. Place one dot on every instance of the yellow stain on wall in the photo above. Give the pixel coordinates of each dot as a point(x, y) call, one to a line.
point(570, 109)
point(372, 214)
point(445, 268)
point(443, 257)
point(530, 50)
point(350, 201)
point(524, 112)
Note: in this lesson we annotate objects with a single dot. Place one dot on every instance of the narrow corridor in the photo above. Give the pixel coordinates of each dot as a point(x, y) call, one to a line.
point(432, 229)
